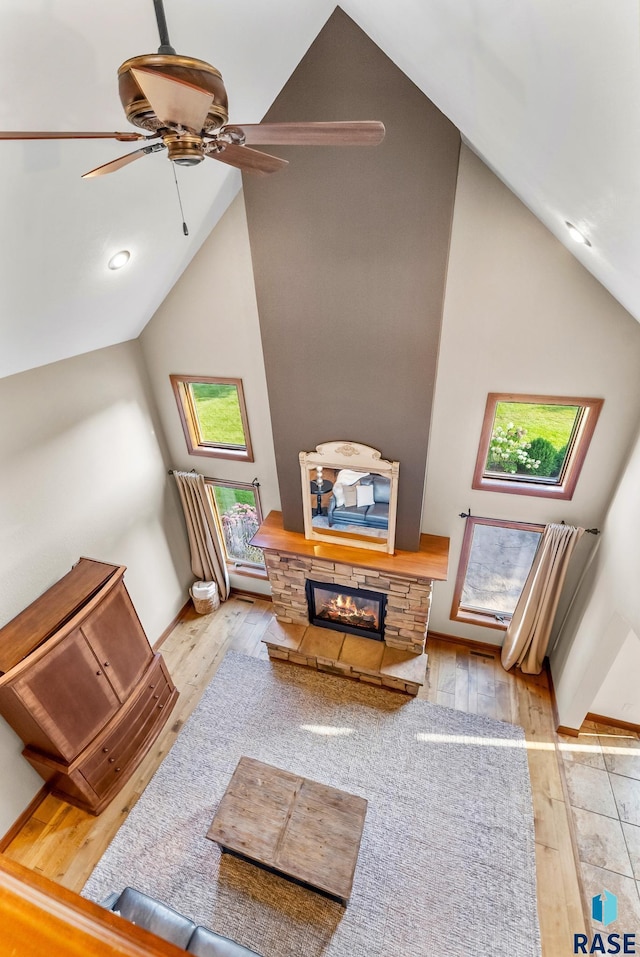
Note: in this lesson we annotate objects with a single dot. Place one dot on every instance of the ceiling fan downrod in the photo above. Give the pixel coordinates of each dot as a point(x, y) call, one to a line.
point(161, 20)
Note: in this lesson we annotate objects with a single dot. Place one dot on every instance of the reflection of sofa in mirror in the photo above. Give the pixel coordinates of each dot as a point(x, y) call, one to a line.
point(364, 501)
point(368, 523)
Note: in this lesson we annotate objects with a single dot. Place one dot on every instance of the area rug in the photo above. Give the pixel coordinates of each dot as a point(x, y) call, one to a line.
point(446, 864)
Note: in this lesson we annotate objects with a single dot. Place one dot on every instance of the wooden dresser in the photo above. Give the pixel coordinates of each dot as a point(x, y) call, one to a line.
point(81, 685)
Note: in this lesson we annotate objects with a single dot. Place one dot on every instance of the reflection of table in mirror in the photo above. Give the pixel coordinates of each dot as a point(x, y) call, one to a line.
point(319, 491)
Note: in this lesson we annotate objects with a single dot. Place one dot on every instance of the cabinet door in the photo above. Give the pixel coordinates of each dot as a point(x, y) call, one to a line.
point(68, 695)
point(118, 640)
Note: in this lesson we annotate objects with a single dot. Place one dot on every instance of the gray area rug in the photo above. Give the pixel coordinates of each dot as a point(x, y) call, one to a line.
point(446, 864)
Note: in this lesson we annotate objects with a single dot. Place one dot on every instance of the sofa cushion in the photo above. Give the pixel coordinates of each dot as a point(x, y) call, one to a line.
point(381, 489)
point(155, 916)
point(356, 516)
point(378, 515)
point(204, 943)
point(364, 495)
point(350, 495)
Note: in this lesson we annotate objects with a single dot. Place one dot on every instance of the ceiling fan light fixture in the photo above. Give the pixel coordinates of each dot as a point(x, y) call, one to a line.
point(119, 260)
point(576, 235)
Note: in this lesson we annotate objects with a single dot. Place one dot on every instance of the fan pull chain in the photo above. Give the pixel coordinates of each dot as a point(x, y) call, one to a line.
point(185, 228)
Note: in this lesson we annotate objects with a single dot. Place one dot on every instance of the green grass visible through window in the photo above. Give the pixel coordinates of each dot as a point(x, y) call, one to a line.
point(226, 498)
point(551, 422)
point(218, 411)
point(530, 439)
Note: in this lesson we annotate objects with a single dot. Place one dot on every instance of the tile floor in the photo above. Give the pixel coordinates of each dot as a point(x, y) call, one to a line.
point(602, 769)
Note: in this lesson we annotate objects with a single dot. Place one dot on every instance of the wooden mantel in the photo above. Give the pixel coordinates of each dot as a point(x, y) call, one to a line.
point(430, 561)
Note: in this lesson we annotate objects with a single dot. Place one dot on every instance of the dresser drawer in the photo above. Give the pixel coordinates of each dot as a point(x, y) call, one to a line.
point(123, 765)
point(115, 750)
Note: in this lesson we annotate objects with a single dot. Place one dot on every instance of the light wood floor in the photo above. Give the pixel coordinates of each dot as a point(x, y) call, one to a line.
point(65, 843)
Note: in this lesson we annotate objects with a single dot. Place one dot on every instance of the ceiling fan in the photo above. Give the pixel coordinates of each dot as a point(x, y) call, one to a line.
point(182, 104)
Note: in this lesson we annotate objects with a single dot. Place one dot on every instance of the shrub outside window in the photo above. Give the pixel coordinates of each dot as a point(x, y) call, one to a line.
point(495, 560)
point(237, 508)
point(533, 444)
point(213, 416)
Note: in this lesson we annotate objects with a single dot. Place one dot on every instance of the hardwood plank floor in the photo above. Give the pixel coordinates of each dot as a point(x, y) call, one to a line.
point(65, 843)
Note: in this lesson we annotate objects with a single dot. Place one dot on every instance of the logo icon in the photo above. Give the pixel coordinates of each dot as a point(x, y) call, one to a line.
point(604, 908)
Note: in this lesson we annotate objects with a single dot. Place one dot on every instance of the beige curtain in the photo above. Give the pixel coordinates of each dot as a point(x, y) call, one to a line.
point(528, 633)
point(207, 557)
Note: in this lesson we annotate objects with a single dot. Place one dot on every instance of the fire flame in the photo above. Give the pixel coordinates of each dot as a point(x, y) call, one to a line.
point(346, 603)
point(343, 608)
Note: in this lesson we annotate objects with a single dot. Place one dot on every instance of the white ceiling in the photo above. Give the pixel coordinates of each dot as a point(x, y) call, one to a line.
point(546, 92)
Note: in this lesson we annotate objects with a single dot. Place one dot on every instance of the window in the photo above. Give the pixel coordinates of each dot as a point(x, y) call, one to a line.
point(533, 444)
point(213, 416)
point(494, 563)
point(237, 508)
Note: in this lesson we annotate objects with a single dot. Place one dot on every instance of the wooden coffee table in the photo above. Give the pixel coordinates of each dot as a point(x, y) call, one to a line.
point(300, 829)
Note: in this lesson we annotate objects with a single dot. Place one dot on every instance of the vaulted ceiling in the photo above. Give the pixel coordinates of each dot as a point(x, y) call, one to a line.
point(547, 93)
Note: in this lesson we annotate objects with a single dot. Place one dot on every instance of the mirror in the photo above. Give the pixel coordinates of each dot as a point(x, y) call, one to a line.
point(349, 496)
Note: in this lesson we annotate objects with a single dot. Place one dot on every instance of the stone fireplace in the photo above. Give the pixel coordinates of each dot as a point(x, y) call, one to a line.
point(408, 598)
point(404, 580)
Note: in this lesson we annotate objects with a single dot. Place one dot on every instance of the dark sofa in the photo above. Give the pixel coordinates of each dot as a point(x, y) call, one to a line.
point(375, 515)
point(165, 922)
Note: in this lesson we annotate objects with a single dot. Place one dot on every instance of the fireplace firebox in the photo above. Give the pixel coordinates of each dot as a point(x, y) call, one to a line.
point(342, 608)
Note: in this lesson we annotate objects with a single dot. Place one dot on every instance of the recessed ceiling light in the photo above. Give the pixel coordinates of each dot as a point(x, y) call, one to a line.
point(576, 235)
point(119, 260)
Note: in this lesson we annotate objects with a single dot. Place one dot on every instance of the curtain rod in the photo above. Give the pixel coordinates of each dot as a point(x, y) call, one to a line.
point(591, 531)
point(255, 481)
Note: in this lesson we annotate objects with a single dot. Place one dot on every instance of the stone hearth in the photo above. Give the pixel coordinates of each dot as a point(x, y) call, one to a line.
point(406, 578)
point(347, 655)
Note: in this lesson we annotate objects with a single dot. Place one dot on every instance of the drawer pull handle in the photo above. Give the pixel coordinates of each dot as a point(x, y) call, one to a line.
point(98, 673)
point(155, 697)
point(105, 750)
point(106, 664)
point(112, 760)
point(117, 769)
point(160, 706)
point(151, 687)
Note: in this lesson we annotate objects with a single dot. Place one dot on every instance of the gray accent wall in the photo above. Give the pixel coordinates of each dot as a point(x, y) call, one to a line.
point(349, 250)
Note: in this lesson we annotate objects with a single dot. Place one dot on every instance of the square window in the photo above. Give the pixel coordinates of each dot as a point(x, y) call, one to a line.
point(534, 445)
point(213, 416)
point(495, 560)
point(237, 508)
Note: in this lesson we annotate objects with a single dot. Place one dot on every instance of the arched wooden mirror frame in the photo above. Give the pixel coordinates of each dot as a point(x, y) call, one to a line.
point(356, 457)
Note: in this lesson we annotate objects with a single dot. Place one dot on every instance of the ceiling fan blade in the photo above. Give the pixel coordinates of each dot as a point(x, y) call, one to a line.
point(348, 133)
point(123, 161)
point(250, 161)
point(40, 135)
point(174, 101)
